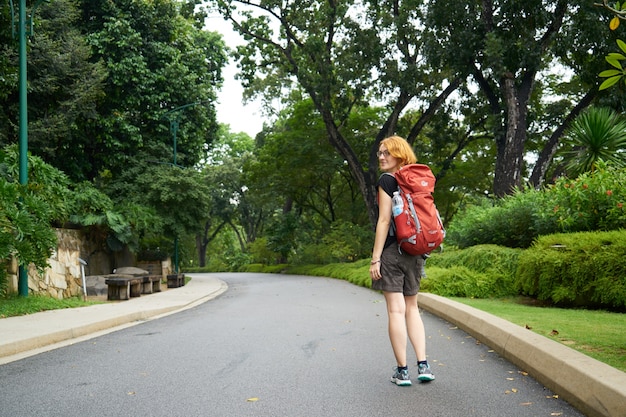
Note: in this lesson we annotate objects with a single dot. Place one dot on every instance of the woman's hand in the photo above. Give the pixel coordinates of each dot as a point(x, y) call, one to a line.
point(375, 271)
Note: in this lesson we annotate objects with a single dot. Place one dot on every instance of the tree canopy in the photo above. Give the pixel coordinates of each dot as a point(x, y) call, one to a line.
point(496, 57)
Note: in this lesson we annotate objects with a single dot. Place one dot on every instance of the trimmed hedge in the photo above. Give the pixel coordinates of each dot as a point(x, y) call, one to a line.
point(576, 269)
point(481, 271)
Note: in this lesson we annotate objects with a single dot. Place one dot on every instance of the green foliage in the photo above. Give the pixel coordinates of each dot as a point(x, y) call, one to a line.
point(347, 242)
point(285, 234)
point(64, 87)
point(597, 135)
point(513, 221)
point(103, 74)
point(28, 211)
point(356, 272)
point(482, 271)
point(618, 72)
point(576, 269)
point(14, 305)
point(157, 60)
point(261, 253)
point(270, 269)
point(593, 201)
point(615, 59)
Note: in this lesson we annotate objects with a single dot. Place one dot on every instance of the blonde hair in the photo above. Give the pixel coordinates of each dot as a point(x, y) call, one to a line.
point(399, 148)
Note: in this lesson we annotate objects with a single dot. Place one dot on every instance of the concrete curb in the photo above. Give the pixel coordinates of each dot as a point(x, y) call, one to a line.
point(596, 389)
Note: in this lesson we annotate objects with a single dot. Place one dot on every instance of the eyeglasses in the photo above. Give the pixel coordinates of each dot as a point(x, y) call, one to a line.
point(384, 153)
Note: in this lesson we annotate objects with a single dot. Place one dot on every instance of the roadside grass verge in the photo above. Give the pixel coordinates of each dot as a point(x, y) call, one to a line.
point(14, 305)
point(598, 334)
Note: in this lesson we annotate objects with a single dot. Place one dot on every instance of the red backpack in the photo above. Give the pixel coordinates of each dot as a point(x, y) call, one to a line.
point(418, 229)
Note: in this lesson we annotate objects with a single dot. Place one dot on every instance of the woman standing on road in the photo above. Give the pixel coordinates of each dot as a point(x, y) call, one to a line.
point(397, 274)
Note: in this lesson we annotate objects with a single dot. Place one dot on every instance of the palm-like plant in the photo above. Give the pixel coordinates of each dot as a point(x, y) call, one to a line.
point(598, 134)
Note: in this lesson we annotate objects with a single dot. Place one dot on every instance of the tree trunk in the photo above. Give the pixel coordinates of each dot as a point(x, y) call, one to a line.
point(201, 245)
point(510, 148)
point(203, 240)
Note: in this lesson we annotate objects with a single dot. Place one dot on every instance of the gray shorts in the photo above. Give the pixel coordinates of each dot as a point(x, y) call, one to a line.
point(400, 272)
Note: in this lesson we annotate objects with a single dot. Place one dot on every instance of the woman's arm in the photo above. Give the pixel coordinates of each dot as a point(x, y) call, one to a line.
point(382, 231)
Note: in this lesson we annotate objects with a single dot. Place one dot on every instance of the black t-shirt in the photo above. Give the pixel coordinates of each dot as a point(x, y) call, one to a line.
point(389, 184)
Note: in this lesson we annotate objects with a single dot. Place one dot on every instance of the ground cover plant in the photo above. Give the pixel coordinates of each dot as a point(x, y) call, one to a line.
point(14, 305)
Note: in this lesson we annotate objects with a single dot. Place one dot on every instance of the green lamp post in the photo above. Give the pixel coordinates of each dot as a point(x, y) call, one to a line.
point(23, 21)
point(174, 117)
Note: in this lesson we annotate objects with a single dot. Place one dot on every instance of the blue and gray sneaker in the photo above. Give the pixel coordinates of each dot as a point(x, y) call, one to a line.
point(401, 378)
point(424, 373)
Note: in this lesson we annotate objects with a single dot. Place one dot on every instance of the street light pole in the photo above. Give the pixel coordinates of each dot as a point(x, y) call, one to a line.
point(22, 21)
point(174, 117)
point(22, 283)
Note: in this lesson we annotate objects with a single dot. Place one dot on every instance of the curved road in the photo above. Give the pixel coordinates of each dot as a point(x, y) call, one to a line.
point(272, 345)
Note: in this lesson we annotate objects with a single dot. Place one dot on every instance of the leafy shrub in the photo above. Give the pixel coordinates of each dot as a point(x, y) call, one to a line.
point(593, 201)
point(28, 211)
point(349, 242)
point(356, 273)
point(261, 253)
point(576, 269)
point(482, 271)
point(270, 269)
point(458, 281)
point(346, 242)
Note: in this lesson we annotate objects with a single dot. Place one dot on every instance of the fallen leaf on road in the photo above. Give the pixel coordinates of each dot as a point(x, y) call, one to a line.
point(253, 399)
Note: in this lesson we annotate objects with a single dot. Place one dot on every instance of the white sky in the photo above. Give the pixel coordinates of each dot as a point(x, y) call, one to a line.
point(230, 109)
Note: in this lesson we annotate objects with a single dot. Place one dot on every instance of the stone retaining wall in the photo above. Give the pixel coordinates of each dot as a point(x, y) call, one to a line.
point(63, 278)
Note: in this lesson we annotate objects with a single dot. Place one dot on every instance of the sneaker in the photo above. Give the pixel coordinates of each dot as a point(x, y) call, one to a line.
point(424, 373)
point(401, 378)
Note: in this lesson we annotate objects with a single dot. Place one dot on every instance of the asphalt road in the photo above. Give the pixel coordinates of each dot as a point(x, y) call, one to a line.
point(272, 345)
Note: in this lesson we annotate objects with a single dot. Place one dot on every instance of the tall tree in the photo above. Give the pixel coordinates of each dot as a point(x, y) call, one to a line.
point(223, 175)
point(416, 54)
point(341, 55)
point(506, 47)
point(157, 60)
point(63, 87)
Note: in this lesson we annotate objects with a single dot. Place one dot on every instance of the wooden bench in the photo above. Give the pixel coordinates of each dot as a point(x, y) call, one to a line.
point(150, 283)
point(175, 280)
point(122, 287)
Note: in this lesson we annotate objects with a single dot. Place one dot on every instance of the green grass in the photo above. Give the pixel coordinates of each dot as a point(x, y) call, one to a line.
point(15, 305)
point(598, 334)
